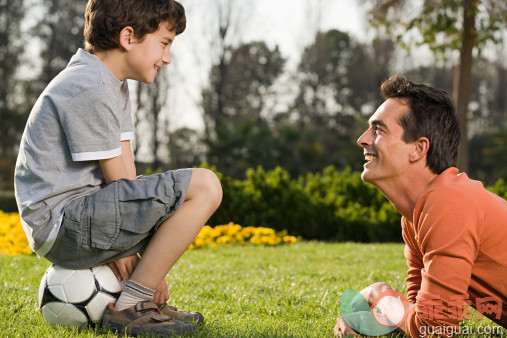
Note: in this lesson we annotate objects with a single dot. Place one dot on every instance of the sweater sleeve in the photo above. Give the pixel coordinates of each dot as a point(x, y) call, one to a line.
point(447, 226)
point(414, 260)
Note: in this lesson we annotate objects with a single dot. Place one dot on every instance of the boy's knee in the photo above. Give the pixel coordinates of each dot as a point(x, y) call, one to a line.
point(205, 184)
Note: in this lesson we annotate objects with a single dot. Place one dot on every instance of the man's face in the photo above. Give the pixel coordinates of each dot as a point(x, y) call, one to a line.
point(150, 54)
point(387, 155)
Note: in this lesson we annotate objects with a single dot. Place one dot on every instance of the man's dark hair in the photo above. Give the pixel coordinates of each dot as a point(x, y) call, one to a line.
point(431, 114)
point(104, 19)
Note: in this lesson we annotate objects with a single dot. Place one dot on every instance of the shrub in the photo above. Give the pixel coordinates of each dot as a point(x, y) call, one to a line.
point(328, 205)
point(7, 201)
point(499, 188)
point(331, 205)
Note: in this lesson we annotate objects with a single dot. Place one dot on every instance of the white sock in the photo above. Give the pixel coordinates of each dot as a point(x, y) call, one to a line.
point(132, 294)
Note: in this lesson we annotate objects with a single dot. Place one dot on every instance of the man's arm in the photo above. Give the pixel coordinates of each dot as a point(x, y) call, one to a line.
point(121, 166)
point(371, 294)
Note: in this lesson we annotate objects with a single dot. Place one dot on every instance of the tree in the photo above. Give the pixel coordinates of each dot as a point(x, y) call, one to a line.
point(327, 101)
point(369, 67)
point(230, 18)
point(490, 158)
point(185, 148)
point(151, 127)
point(250, 70)
point(235, 99)
point(12, 112)
point(322, 71)
point(446, 25)
point(61, 31)
point(488, 109)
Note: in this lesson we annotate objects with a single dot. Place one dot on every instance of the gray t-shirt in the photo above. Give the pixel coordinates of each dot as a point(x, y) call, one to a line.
point(81, 117)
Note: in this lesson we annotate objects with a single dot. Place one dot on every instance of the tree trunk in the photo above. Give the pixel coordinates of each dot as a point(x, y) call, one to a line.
point(463, 78)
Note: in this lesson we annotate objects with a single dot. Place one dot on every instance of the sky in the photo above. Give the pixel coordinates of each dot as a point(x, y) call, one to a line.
point(284, 21)
point(288, 24)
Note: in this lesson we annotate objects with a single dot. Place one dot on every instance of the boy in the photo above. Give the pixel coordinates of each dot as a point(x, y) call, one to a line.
point(80, 202)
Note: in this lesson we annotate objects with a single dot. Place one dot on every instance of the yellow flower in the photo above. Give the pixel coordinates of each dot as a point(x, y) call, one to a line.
point(289, 239)
point(223, 240)
point(235, 234)
point(12, 236)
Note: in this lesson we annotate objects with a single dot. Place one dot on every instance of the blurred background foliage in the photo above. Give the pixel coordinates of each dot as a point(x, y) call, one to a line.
point(326, 205)
point(330, 205)
point(257, 110)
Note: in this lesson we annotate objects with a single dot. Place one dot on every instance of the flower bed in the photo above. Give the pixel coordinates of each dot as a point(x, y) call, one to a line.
point(13, 241)
point(236, 234)
point(12, 237)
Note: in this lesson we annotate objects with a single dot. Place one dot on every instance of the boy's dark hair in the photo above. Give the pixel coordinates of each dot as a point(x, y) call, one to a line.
point(104, 19)
point(431, 114)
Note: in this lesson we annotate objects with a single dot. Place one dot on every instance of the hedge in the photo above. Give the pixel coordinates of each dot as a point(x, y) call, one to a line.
point(7, 201)
point(330, 205)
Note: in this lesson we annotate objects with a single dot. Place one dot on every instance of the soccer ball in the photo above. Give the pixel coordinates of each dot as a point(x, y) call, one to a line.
point(77, 297)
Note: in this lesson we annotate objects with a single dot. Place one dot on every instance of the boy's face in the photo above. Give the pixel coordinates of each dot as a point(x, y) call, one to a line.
point(146, 57)
point(386, 153)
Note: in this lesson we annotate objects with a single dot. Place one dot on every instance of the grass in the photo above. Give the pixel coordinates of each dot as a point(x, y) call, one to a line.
point(284, 291)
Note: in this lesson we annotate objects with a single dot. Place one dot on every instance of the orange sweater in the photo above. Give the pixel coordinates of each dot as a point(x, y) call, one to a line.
point(456, 248)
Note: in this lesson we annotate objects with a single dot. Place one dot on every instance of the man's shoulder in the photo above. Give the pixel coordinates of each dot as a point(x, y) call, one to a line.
point(461, 199)
point(451, 196)
point(458, 189)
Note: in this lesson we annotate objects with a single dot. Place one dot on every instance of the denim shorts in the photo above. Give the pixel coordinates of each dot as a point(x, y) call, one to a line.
point(118, 220)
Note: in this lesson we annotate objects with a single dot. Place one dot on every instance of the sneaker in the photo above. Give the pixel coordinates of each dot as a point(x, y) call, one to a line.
point(144, 317)
point(187, 317)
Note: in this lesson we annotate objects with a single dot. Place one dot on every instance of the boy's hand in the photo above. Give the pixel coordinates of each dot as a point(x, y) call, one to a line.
point(161, 295)
point(124, 267)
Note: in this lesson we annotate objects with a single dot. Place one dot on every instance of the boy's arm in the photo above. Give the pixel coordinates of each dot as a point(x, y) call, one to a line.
point(119, 167)
point(128, 159)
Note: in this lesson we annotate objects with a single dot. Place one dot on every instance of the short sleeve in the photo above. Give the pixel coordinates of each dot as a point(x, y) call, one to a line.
point(92, 122)
point(127, 127)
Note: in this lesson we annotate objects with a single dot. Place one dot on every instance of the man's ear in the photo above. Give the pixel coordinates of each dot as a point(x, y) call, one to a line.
point(127, 38)
point(421, 147)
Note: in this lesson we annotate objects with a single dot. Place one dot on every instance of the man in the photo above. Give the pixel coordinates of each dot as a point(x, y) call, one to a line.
point(454, 230)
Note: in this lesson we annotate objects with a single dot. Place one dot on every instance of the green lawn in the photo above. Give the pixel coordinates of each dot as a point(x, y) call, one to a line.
point(242, 291)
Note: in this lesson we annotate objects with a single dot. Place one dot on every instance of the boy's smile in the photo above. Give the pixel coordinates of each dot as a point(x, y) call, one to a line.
point(148, 55)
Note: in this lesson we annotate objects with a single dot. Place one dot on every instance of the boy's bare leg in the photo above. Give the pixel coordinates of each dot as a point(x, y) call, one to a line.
point(175, 234)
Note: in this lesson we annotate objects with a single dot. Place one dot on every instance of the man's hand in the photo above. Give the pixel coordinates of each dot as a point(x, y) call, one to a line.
point(342, 329)
point(124, 267)
point(161, 295)
point(371, 293)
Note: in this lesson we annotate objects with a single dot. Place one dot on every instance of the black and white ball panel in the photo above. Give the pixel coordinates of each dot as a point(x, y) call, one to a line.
point(77, 297)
